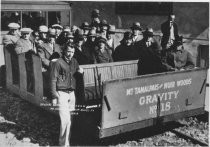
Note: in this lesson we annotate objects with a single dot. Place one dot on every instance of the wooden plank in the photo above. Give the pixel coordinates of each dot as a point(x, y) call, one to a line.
point(22, 76)
point(8, 68)
point(109, 64)
point(108, 71)
point(37, 78)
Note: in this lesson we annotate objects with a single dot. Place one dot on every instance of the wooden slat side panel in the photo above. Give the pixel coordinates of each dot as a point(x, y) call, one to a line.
point(8, 68)
point(105, 73)
point(37, 78)
point(118, 72)
point(109, 71)
point(130, 70)
point(23, 77)
point(88, 75)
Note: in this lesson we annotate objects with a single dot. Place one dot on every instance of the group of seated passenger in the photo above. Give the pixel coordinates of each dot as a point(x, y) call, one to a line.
point(94, 43)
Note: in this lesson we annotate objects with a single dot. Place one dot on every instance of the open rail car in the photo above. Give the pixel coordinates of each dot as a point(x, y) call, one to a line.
point(112, 96)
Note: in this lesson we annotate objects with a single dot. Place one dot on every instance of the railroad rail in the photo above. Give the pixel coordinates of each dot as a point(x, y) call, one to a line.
point(188, 137)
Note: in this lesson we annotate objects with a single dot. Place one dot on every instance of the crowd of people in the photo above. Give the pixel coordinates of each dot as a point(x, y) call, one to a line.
point(63, 48)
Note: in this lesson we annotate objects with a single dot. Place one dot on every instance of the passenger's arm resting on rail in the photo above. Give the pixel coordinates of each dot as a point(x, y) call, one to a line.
point(18, 47)
point(189, 64)
point(6, 40)
point(41, 54)
point(54, 72)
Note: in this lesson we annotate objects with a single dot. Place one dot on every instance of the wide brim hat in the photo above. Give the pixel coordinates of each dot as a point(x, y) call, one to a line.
point(148, 32)
point(70, 35)
point(136, 26)
point(13, 26)
point(85, 26)
point(112, 29)
point(127, 35)
point(57, 26)
point(26, 30)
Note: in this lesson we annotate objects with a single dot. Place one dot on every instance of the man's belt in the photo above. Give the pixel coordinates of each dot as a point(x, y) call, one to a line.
point(66, 90)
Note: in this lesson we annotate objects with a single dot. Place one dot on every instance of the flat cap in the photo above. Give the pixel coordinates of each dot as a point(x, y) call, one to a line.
point(26, 30)
point(43, 28)
point(57, 26)
point(13, 25)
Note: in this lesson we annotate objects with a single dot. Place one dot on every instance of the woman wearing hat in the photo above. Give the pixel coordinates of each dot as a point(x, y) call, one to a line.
point(179, 58)
point(102, 53)
point(24, 44)
point(13, 35)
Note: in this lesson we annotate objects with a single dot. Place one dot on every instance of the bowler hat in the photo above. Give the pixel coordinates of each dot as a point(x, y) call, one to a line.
point(26, 30)
point(148, 32)
point(43, 29)
point(57, 26)
point(85, 26)
point(13, 25)
point(136, 26)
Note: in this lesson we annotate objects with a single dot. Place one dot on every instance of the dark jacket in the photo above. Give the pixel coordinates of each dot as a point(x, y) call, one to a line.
point(104, 57)
point(124, 53)
point(149, 59)
point(46, 53)
point(62, 75)
point(165, 29)
point(85, 56)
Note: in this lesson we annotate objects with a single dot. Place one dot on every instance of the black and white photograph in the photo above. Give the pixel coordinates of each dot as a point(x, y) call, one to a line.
point(104, 73)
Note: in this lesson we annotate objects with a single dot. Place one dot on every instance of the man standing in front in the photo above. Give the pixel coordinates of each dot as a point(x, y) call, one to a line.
point(63, 84)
